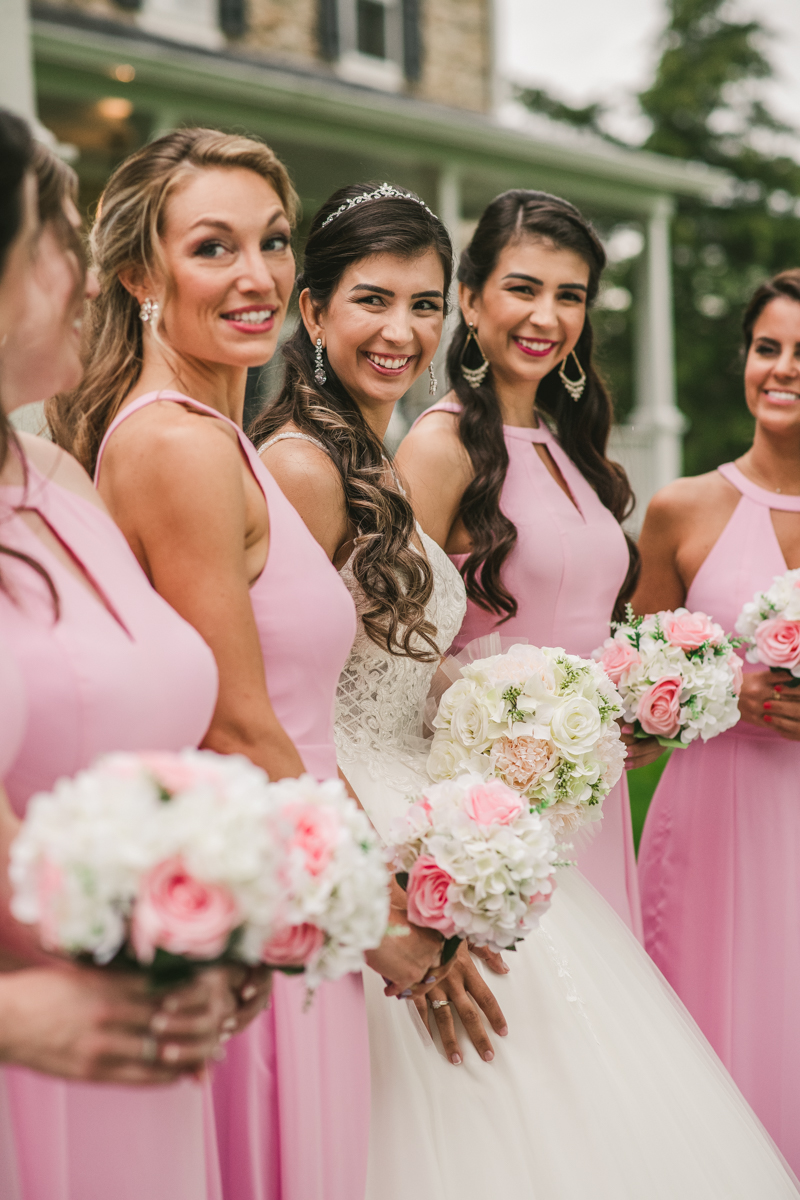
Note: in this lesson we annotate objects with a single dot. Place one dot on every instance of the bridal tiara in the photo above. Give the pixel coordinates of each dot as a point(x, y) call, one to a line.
point(384, 192)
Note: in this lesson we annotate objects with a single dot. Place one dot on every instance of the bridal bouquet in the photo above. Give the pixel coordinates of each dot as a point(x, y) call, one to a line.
point(539, 720)
point(770, 623)
point(475, 862)
point(678, 674)
point(172, 861)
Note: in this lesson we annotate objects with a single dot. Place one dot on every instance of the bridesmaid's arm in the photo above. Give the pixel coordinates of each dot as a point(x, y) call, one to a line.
point(177, 490)
point(437, 471)
point(311, 483)
point(660, 584)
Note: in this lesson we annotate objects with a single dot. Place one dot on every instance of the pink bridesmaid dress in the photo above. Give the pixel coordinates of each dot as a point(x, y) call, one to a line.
point(565, 571)
point(118, 670)
point(292, 1096)
point(720, 856)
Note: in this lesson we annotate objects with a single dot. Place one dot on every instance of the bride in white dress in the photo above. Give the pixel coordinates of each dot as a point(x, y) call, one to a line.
point(603, 1088)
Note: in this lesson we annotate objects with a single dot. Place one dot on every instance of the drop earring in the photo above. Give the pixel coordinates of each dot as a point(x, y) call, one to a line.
point(319, 369)
point(574, 386)
point(433, 385)
point(473, 375)
point(148, 311)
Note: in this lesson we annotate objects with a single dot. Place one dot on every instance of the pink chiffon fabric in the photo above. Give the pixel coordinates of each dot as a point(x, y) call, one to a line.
point(565, 571)
point(720, 856)
point(118, 670)
point(292, 1097)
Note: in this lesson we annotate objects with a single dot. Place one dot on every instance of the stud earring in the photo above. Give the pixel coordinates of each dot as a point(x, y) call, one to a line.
point(473, 375)
point(433, 385)
point(149, 311)
point(574, 386)
point(319, 369)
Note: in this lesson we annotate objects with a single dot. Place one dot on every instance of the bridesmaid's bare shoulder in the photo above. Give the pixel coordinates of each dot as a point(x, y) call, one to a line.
point(59, 466)
point(310, 481)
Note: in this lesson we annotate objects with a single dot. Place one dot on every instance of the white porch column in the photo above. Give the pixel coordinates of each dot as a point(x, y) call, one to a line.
point(16, 62)
point(650, 445)
point(449, 209)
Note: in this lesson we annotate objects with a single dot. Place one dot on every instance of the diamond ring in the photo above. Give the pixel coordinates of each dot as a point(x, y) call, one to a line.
point(440, 1003)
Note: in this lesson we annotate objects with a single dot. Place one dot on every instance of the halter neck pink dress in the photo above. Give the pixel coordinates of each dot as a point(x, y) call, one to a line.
point(292, 1096)
point(565, 571)
point(720, 856)
point(118, 670)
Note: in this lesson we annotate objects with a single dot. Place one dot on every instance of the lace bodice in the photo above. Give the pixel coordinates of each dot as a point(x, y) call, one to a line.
point(381, 696)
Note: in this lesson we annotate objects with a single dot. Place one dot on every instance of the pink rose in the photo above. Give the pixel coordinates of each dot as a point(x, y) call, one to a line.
point(689, 630)
point(778, 642)
point(176, 774)
point(314, 834)
point(181, 914)
point(492, 803)
point(736, 666)
point(428, 887)
point(617, 657)
point(293, 946)
point(658, 710)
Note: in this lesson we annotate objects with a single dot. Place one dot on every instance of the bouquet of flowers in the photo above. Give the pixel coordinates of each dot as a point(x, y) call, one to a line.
point(170, 862)
point(476, 862)
point(770, 625)
point(335, 901)
point(539, 720)
point(678, 674)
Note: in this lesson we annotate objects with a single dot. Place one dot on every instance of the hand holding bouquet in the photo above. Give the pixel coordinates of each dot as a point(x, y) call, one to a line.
point(677, 673)
point(770, 623)
point(171, 862)
point(475, 861)
point(541, 721)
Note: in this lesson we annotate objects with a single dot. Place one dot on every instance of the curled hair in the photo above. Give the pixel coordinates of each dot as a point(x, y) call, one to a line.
point(126, 235)
point(395, 579)
point(582, 428)
point(786, 284)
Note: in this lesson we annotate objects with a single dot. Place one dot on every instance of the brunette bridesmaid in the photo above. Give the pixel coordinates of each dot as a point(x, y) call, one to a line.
point(158, 418)
point(720, 854)
point(509, 472)
point(102, 664)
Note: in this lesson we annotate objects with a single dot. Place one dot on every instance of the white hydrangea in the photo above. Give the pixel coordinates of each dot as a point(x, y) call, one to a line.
point(540, 719)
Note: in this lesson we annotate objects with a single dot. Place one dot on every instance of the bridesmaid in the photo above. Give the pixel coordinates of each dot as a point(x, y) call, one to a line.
point(509, 472)
point(720, 853)
point(158, 418)
point(103, 664)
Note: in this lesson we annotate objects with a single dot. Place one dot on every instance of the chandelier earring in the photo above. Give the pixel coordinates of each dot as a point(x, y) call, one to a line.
point(574, 386)
point(433, 385)
point(474, 375)
point(319, 369)
point(148, 311)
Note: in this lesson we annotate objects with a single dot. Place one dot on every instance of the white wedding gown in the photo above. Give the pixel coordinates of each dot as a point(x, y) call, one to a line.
point(604, 1089)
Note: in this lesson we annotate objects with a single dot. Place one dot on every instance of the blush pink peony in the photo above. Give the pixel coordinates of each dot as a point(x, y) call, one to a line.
point(293, 946)
point(617, 657)
point(427, 890)
point(689, 630)
point(314, 833)
point(658, 711)
point(521, 762)
point(176, 912)
point(778, 642)
point(492, 803)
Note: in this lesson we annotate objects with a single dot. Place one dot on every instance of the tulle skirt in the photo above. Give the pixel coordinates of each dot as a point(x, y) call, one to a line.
point(720, 873)
point(603, 1087)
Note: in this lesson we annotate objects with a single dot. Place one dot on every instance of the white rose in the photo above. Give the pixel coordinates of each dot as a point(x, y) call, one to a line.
point(444, 760)
point(470, 722)
point(575, 726)
point(451, 699)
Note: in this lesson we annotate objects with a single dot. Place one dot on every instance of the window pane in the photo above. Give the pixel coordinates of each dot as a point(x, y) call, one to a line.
point(371, 16)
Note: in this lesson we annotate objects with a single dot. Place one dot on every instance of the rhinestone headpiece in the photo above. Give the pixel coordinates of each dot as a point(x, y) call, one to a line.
point(384, 192)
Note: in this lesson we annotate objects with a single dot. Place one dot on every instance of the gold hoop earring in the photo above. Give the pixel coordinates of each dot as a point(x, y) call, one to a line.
point(574, 386)
point(473, 375)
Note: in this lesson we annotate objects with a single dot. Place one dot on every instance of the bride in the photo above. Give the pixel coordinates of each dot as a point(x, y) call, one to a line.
point(602, 1087)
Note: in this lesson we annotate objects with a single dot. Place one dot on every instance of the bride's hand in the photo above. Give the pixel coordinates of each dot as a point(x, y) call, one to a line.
point(463, 989)
point(409, 962)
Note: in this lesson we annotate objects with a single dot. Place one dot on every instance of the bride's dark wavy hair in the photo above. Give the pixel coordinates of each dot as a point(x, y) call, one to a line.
point(582, 428)
point(396, 580)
